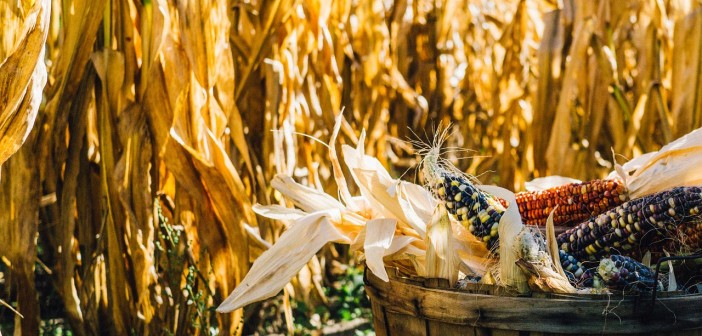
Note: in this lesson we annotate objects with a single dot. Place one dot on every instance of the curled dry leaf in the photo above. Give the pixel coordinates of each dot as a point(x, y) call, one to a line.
point(278, 212)
point(383, 197)
point(22, 79)
point(544, 279)
point(552, 244)
point(676, 164)
point(379, 237)
point(275, 267)
point(304, 197)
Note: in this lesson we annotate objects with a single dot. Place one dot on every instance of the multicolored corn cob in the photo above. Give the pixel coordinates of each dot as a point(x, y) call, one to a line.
point(576, 201)
point(623, 273)
point(621, 229)
point(574, 269)
point(476, 210)
point(616, 272)
point(691, 235)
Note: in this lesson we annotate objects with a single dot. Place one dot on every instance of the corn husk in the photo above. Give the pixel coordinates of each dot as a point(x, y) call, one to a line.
point(379, 237)
point(279, 212)
point(472, 253)
point(510, 226)
point(544, 279)
point(676, 164)
point(552, 244)
point(275, 267)
point(536, 260)
point(441, 256)
point(547, 182)
point(672, 282)
point(387, 224)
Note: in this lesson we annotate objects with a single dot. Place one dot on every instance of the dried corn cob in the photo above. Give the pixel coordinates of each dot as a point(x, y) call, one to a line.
point(691, 235)
point(576, 201)
point(616, 272)
point(624, 273)
point(574, 269)
point(476, 210)
point(621, 229)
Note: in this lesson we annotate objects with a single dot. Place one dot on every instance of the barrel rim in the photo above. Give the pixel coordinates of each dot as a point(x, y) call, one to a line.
point(572, 314)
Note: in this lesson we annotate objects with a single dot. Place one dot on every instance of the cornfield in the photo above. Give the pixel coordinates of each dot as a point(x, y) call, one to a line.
point(128, 179)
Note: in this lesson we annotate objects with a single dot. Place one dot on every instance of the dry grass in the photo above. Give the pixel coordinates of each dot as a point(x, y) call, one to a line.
point(197, 104)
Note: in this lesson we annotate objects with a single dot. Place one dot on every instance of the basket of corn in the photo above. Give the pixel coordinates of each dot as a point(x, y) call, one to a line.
point(451, 256)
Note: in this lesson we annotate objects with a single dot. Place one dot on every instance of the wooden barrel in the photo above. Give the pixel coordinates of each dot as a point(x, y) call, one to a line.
point(428, 307)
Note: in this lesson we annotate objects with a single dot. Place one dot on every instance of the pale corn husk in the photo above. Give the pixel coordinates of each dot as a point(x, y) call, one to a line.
point(510, 226)
point(379, 237)
point(646, 260)
point(441, 256)
point(383, 197)
point(676, 164)
point(275, 267)
point(306, 198)
point(278, 212)
point(672, 282)
point(473, 256)
point(544, 279)
point(541, 270)
point(547, 182)
point(552, 244)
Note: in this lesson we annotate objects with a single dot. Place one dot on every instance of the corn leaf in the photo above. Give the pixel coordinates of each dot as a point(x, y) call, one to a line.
point(22, 79)
point(275, 267)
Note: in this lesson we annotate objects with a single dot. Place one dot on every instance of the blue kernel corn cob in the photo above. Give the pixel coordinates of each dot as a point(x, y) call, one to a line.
point(621, 229)
point(627, 273)
point(476, 210)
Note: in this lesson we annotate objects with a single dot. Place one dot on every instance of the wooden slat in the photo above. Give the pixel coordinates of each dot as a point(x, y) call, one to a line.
point(379, 323)
point(696, 332)
point(405, 325)
point(482, 332)
point(437, 328)
point(548, 315)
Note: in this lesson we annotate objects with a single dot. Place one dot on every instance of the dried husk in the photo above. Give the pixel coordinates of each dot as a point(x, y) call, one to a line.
point(441, 256)
point(676, 164)
point(22, 78)
point(378, 239)
point(275, 267)
point(510, 226)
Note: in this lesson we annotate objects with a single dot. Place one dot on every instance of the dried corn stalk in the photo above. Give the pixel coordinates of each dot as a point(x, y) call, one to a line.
point(22, 70)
